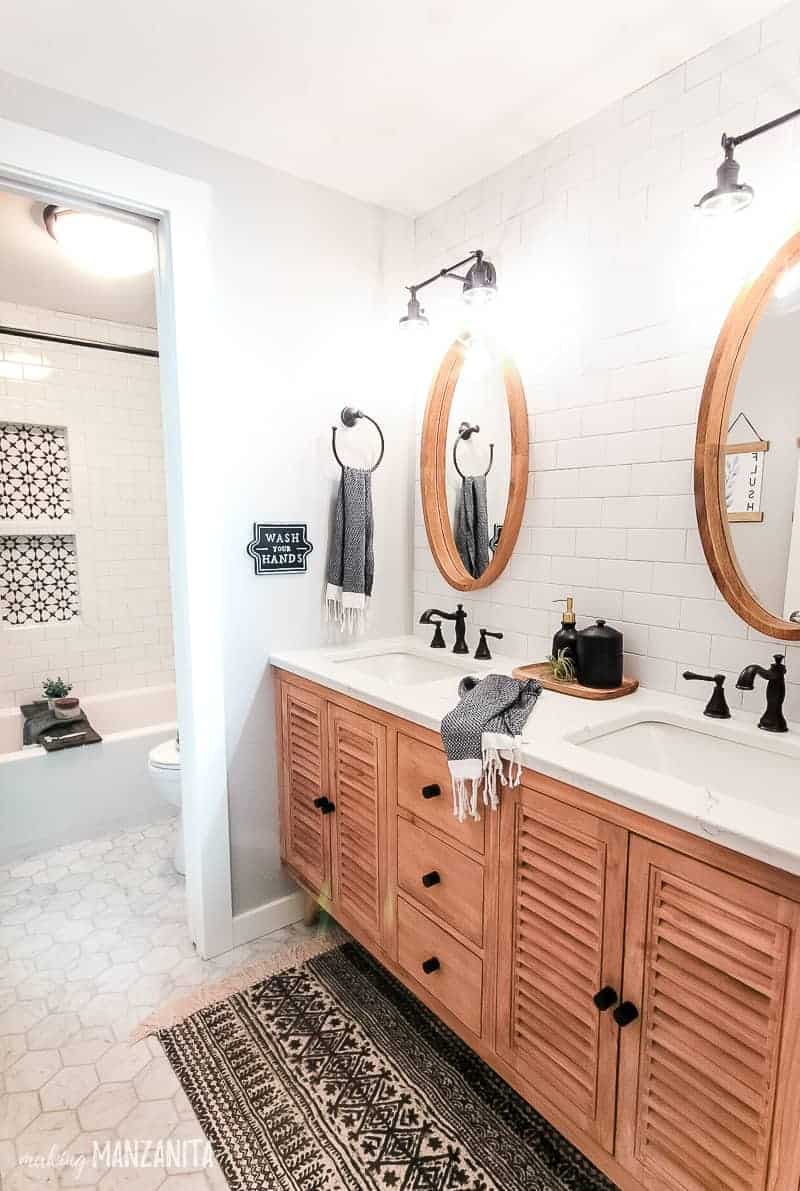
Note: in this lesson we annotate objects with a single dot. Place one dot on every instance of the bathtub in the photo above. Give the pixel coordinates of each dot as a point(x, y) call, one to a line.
point(49, 799)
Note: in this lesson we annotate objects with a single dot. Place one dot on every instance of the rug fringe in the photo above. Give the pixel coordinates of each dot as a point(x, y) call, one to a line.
point(173, 1012)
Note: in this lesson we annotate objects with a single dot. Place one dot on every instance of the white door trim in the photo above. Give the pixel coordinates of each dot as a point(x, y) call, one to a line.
point(39, 160)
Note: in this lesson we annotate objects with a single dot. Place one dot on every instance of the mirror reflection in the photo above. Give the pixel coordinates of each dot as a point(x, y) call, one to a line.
point(761, 453)
point(478, 459)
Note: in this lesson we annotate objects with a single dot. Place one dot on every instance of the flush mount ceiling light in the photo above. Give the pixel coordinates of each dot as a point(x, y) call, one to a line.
point(729, 194)
point(478, 287)
point(101, 244)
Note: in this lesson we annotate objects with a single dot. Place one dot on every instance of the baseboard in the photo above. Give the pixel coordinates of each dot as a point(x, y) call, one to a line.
point(283, 911)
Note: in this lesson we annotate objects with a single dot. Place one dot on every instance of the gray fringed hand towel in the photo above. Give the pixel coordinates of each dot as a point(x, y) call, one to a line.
point(482, 732)
point(351, 562)
point(471, 525)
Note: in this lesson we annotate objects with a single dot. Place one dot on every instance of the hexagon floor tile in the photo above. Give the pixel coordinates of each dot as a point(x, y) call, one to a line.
point(92, 937)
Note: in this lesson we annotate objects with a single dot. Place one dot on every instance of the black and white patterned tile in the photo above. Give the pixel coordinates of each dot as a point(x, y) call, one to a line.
point(38, 578)
point(34, 472)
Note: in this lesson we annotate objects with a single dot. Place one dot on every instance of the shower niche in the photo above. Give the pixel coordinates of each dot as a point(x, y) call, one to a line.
point(38, 555)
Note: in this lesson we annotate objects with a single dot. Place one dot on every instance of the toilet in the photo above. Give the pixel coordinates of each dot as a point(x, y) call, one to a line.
point(164, 768)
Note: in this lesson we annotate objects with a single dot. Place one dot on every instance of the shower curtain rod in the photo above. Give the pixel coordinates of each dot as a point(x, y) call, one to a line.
point(21, 333)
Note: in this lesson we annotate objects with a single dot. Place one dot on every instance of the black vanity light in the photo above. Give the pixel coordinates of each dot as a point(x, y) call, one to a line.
point(478, 287)
point(730, 194)
point(415, 318)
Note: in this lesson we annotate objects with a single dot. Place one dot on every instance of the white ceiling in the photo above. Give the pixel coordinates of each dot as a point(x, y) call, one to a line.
point(34, 271)
point(400, 102)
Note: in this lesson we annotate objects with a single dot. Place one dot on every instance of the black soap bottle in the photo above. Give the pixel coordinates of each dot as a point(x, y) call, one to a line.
point(600, 656)
point(566, 636)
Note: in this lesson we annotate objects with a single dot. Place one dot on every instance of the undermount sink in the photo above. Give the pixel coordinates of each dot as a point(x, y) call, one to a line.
point(768, 774)
point(399, 668)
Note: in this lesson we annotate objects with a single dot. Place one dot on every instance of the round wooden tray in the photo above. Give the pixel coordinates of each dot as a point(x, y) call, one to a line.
point(543, 674)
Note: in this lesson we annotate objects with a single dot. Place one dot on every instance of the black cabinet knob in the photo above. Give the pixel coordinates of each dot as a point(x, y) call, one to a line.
point(605, 998)
point(432, 791)
point(325, 805)
point(429, 879)
point(320, 802)
point(625, 1013)
point(430, 965)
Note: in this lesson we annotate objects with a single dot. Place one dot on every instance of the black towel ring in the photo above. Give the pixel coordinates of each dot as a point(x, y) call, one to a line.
point(349, 417)
point(465, 432)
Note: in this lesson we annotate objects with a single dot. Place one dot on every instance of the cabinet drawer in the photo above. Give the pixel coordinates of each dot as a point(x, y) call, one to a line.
point(457, 981)
point(421, 767)
point(454, 889)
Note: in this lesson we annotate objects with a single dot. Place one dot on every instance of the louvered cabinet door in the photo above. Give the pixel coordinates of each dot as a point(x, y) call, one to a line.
point(303, 780)
point(708, 963)
point(560, 942)
point(357, 760)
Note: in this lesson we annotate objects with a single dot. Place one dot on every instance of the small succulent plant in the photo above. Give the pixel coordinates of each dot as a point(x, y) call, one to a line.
point(56, 688)
point(562, 666)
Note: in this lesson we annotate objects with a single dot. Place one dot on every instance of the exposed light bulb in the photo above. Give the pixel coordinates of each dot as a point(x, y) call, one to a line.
point(726, 202)
point(100, 244)
point(482, 296)
point(414, 326)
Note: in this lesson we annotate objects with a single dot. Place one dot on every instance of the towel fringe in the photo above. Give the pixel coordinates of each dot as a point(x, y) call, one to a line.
point(349, 619)
point(501, 765)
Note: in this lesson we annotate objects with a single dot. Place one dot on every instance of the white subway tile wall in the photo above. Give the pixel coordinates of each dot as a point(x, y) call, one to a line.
point(613, 289)
point(110, 407)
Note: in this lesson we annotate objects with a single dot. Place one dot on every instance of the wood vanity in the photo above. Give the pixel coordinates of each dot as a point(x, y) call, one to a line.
point(508, 929)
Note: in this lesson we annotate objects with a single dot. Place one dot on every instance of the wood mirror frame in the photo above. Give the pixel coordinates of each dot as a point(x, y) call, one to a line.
point(433, 472)
point(712, 428)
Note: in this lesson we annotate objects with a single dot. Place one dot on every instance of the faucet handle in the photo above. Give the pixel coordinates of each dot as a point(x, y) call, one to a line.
point(438, 638)
point(482, 652)
point(717, 706)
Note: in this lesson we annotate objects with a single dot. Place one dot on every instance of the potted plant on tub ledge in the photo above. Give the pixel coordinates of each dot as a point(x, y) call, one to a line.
point(55, 690)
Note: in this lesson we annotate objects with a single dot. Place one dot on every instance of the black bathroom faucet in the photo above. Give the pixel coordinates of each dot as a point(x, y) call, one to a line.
point(459, 616)
point(772, 720)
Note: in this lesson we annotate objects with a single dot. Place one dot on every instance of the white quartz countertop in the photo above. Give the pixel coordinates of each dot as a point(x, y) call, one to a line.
point(759, 818)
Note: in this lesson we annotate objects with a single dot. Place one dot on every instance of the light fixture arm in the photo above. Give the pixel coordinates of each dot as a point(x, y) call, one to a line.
point(449, 271)
point(729, 143)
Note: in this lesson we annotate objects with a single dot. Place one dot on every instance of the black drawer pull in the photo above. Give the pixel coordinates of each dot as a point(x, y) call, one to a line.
point(605, 998)
point(430, 965)
point(320, 802)
point(625, 1013)
point(325, 805)
point(431, 791)
point(429, 879)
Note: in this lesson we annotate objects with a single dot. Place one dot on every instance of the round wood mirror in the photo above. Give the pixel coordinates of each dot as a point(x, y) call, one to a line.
point(474, 464)
point(746, 475)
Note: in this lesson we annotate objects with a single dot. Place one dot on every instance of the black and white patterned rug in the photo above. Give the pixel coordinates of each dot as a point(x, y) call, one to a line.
point(330, 1076)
